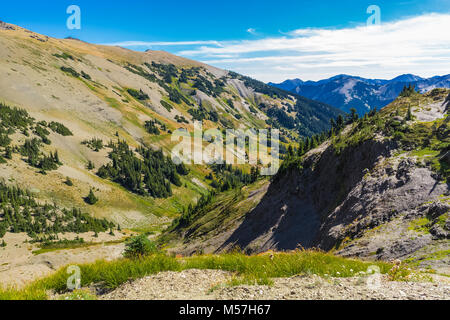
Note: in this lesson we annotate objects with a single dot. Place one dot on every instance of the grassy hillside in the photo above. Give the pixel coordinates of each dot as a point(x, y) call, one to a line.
point(102, 109)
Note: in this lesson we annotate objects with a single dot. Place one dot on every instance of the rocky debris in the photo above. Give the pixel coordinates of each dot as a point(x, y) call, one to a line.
point(436, 209)
point(396, 238)
point(394, 187)
point(34, 36)
point(434, 212)
point(187, 284)
point(431, 112)
point(211, 285)
point(434, 256)
point(6, 26)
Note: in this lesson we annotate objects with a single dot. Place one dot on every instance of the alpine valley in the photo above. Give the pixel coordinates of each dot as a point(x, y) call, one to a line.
point(87, 179)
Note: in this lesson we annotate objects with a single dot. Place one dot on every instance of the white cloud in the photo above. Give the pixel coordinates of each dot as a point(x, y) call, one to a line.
point(419, 45)
point(252, 31)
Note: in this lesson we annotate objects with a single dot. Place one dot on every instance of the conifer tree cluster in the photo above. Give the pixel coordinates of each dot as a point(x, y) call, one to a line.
point(35, 158)
point(15, 119)
point(192, 210)
point(337, 126)
point(152, 174)
point(213, 89)
point(138, 94)
point(201, 113)
point(94, 144)
point(150, 127)
point(20, 212)
point(59, 128)
point(225, 177)
point(408, 90)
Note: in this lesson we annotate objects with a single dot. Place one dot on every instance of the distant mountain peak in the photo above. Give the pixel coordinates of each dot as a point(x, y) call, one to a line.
point(407, 78)
point(347, 91)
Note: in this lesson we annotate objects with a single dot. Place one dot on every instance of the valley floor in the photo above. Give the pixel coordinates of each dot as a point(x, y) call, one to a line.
point(21, 262)
point(211, 285)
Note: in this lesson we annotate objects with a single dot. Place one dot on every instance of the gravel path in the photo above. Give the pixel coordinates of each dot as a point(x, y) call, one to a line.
point(211, 284)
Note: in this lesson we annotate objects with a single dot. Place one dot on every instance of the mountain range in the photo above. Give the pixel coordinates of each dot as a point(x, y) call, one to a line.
point(346, 91)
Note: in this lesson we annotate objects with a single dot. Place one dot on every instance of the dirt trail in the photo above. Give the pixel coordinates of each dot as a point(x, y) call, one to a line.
point(19, 266)
point(211, 285)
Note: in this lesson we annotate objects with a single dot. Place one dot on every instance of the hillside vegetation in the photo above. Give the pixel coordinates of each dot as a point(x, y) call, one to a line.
point(90, 126)
point(248, 269)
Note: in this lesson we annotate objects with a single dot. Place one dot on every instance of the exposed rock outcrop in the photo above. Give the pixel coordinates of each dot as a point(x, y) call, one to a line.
point(6, 26)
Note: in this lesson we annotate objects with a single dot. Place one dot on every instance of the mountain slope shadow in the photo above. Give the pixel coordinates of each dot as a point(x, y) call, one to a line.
point(282, 220)
point(297, 205)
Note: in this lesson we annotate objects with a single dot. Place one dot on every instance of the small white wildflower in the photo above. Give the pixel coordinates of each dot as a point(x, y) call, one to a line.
point(338, 273)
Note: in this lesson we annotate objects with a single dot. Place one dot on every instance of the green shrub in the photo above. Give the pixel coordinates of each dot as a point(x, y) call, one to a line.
point(70, 71)
point(85, 75)
point(64, 56)
point(68, 182)
point(398, 135)
point(91, 198)
point(60, 128)
point(139, 246)
point(139, 95)
point(94, 144)
point(166, 105)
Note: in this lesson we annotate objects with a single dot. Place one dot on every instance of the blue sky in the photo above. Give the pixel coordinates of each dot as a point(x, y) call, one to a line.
point(269, 40)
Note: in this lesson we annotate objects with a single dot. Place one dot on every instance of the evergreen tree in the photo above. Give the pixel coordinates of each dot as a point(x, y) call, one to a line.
point(408, 91)
point(409, 115)
point(8, 152)
point(353, 115)
point(90, 165)
point(301, 148)
point(68, 182)
point(290, 151)
point(340, 122)
point(91, 198)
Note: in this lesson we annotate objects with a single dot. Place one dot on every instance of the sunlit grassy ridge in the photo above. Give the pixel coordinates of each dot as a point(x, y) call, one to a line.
point(248, 269)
